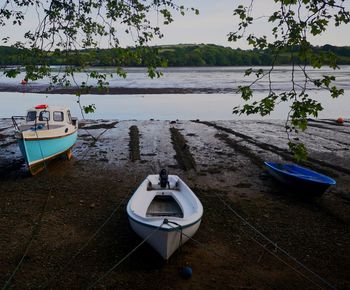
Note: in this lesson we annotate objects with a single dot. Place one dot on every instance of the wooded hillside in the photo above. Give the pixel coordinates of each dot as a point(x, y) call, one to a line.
point(172, 55)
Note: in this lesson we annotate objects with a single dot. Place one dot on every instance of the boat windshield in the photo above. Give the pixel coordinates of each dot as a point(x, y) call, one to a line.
point(69, 117)
point(44, 116)
point(31, 116)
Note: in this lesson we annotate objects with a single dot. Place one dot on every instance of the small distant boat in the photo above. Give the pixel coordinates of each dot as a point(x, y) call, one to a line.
point(166, 202)
point(48, 132)
point(303, 178)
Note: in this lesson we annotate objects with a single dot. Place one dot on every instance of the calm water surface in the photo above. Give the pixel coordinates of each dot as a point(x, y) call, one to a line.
point(179, 106)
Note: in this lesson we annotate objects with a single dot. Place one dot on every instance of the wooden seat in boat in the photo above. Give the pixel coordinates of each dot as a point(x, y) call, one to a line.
point(164, 205)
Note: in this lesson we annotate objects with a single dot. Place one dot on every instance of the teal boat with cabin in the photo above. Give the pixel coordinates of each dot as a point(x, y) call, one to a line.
point(48, 132)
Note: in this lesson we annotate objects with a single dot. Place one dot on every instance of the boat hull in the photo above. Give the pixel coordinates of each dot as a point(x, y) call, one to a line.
point(304, 185)
point(166, 216)
point(37, 151)
point(165, 241)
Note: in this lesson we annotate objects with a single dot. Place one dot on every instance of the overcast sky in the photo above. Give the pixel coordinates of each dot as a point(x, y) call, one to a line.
point(212, 25)
point(216, 20)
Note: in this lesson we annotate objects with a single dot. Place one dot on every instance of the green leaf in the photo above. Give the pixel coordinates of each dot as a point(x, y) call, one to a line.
point(89, 109)
point(299, 151)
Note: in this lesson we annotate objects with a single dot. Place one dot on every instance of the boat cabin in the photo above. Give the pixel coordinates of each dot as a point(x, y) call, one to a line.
point(47, 117)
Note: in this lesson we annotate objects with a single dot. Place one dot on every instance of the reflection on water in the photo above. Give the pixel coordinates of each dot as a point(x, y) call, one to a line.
point(162, 107)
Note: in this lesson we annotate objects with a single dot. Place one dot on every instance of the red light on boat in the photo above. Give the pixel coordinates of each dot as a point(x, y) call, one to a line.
point(42, 106)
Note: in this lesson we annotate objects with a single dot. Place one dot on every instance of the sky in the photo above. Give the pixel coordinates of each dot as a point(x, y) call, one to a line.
point(212, 25)
point(216, 20)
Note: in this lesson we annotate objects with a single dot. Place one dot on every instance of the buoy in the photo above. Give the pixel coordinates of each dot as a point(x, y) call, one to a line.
point(186, 272)
point(340, 120)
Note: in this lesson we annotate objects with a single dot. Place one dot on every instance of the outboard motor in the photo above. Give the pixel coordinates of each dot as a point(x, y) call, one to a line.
point(163, 178)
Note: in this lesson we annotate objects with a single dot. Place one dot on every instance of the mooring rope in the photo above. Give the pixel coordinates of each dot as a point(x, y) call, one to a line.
point(95, 140)
point(37, 225)
point(213, 252)
point(95, 233)
point(284, 262)
point(245, 222)
point(125, 257)
point(86, 243)
point(204, 246)
point(35, 231)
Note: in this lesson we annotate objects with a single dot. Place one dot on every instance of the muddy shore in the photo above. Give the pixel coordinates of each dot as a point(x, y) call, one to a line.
point(59, 210)
point(42, 89)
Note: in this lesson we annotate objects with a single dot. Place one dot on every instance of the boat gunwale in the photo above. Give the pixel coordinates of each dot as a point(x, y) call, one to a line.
point(166, 229)
point(46, 138)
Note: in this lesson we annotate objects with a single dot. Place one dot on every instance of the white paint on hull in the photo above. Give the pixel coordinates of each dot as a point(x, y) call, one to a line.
point(165, 242)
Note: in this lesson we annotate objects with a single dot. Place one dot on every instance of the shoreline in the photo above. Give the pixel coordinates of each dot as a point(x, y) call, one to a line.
point(41, 89)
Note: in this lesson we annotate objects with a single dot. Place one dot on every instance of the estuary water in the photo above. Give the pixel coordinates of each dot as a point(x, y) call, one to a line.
point(205, 106)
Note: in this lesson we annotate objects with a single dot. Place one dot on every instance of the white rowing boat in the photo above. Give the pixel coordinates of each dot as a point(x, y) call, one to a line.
point(165, 203)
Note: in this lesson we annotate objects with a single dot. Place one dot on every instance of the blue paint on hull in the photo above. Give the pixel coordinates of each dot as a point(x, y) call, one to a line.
point(35, 151)
point(306, 180)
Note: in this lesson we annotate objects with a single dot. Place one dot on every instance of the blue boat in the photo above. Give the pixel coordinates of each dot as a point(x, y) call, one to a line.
point(48, 132)
point(306, 180)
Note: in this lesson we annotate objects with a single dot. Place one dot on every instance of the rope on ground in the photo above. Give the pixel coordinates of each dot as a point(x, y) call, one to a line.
point(285, 263)
point(95, 140)
point(83, 116)
point(124, 258)
point(205, 247)
point(35, 231)
point(212, 251)
point(245, 222)
point(37, 224)
point(94, 234)
point(85, 244)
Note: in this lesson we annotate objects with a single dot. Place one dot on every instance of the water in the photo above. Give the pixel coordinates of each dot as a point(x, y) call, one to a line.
point(201, 77)
point(179, 106)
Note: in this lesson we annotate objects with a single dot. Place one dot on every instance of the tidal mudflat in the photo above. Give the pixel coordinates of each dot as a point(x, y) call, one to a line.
point(60, 209)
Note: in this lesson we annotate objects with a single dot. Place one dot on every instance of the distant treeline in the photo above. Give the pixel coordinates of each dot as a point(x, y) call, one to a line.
point(173, 55)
